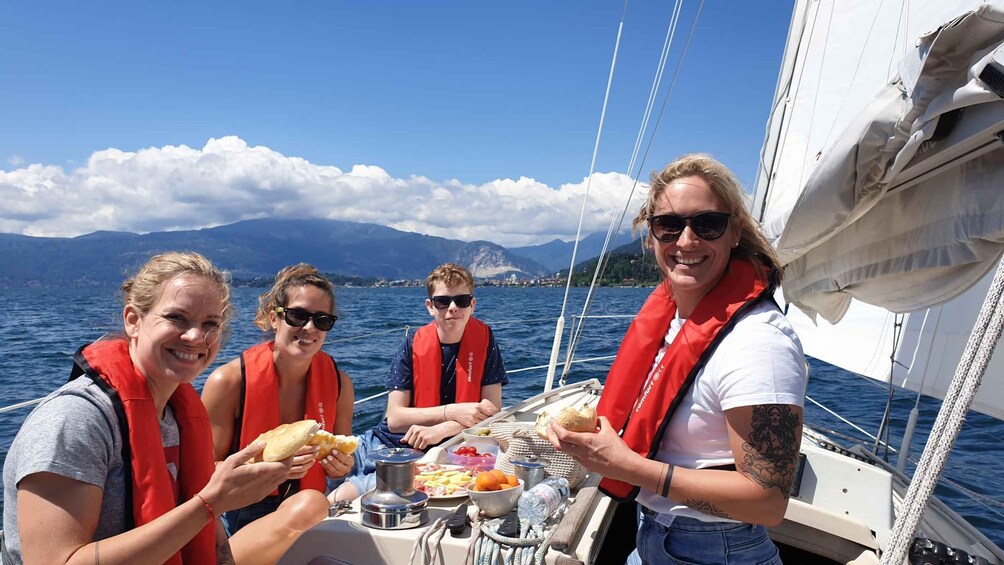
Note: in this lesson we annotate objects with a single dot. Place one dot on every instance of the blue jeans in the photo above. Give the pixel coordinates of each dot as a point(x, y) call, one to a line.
point(689, 541)
point(363, 473)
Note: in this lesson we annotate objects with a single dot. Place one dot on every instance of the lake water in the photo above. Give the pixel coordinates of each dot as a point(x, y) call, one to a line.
point(40, 329)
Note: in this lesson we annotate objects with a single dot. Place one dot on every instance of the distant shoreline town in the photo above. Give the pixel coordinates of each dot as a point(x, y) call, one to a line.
point(507, 282)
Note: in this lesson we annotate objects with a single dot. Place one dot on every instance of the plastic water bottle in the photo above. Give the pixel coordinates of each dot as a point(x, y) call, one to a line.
point(538, 503)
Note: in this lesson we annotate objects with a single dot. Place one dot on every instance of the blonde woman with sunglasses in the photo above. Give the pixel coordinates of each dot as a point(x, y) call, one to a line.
point(701, 413)
point(285, 379)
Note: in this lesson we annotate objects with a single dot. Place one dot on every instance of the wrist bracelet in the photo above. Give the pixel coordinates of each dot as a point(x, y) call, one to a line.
point(209, 507)
point(664, 492)
point(444, 412)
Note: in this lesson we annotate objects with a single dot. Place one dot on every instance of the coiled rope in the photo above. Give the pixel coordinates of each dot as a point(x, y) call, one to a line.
point(425, 549)
point(528, 549)
point(487, 546)
point(982, 341)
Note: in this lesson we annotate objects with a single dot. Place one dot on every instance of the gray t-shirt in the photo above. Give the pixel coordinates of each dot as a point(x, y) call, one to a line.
point(74, 433)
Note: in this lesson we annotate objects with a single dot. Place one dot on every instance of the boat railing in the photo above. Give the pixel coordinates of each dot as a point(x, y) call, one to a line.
point(406, 328)
point(20, 405)
point(844, 420)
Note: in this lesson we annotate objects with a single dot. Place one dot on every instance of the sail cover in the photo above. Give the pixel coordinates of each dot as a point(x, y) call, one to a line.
point(881, 182)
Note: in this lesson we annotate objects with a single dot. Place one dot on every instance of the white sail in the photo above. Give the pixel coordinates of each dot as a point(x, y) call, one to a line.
point(880, 184)
point(930, 345)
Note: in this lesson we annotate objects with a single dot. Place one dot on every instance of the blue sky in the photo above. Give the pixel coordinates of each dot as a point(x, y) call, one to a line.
point(399, 113)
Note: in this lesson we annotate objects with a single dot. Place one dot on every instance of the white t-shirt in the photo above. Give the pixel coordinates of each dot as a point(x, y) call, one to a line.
point(759, 362)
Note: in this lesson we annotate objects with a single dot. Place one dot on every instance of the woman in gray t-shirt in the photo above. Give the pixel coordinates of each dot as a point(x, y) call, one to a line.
point(71, 492)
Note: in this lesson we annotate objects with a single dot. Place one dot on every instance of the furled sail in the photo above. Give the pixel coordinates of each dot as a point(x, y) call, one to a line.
point(881, 179)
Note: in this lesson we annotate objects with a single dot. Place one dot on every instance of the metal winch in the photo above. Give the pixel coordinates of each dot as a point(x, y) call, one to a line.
point(394, 504)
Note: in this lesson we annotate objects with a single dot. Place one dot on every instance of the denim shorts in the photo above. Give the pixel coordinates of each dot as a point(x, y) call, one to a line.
point(688, 541)
point(234, 520)
point(363, 473)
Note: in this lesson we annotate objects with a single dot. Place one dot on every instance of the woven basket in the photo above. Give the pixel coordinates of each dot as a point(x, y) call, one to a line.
point(518, 440)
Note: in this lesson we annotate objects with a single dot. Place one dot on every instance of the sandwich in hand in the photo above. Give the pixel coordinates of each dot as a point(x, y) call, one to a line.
point(331, 442)
point(583, 420)
point(286, 439)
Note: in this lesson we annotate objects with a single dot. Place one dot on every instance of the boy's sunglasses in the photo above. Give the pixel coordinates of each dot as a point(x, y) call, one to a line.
point(298, 317)
point(461, 300)
point(708, 226)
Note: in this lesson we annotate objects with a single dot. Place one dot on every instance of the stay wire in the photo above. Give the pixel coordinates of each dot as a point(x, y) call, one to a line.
point(884, 425)
point(781, 100)
point(592, 164)
point(646, 116)
point(601, 263)
point(582, 211)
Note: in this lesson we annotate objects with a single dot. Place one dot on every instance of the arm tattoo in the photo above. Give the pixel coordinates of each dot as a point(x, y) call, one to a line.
point(224, 555)
point(771, 449)
point(706, 507)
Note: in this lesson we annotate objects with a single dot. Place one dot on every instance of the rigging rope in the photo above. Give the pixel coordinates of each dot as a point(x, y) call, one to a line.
point(784, 96)
point(559, 325)
point(857, 67)
point(982, 341)
point(884, 425)
point(815, 97)
point(911, 422)
point(616, 222)
point(528, 549)
point(423, 552)
point(602, 261)
point(841, 418)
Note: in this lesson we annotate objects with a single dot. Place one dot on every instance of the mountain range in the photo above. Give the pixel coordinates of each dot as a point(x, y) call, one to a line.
point(557, 254)
point(259, 248)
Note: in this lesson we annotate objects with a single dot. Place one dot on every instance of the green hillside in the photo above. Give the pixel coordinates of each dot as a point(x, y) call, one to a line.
point(626, 266)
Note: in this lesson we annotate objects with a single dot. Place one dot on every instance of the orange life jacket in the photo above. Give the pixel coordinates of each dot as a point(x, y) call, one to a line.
point(148, 490)
point(427, 364)
point(642, 407)
point(260, 404)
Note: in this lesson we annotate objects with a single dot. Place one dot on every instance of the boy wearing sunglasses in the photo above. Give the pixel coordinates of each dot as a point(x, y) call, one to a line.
point(445, 378)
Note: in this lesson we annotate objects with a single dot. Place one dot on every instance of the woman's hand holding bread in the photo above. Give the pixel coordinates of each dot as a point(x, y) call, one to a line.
point(571, 419)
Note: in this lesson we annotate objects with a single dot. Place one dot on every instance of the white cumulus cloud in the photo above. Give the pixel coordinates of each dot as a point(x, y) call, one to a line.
point(179, 187)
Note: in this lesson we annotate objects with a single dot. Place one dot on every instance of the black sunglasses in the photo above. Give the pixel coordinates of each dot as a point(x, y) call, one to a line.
point(461, 300)
point(708, 226)
point(298, 317)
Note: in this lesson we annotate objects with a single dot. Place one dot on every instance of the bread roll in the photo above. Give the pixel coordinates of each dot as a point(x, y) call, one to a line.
point(287, 439)
point(329, 442)
point(583, 420)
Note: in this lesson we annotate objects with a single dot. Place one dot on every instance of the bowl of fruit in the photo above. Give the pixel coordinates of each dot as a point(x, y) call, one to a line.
point(471, 455)
point(494, 492)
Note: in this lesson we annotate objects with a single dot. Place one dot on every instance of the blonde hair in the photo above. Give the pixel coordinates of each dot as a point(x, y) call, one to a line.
point(294, 276)
point(450, 274)
point(753, 246)
point(144, 289)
